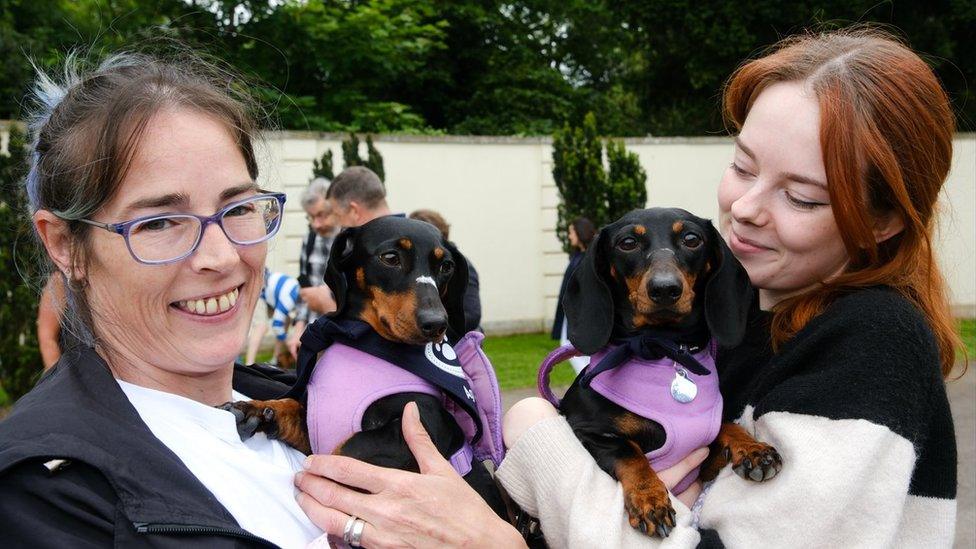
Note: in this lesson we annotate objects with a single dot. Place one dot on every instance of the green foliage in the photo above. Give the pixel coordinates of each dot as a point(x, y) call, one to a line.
point(586, 189)
point(323, 167)
point(374, 159)
point(626, 181)
point(577, 168)
point(20, 358)
point(350, 152)
point(476, 67)
point(350, 155)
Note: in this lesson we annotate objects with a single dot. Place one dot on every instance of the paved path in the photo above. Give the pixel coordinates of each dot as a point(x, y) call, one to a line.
point(962, 397)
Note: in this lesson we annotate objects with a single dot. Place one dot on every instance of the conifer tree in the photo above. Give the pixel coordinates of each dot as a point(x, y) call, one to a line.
point(374, 160)
point(626, 185)
point(323, 167)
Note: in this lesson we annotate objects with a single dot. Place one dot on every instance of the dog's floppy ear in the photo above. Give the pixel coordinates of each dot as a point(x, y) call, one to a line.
point(588, 302)
point(334, 276)
point(728, 293)
point(453, 295)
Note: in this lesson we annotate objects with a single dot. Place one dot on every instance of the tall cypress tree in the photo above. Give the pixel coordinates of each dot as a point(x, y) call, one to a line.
point(585, 187)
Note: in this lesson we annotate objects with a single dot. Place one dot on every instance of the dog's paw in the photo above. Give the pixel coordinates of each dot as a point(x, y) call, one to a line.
point(251, 417)
point(650, 511)
point(755, 461)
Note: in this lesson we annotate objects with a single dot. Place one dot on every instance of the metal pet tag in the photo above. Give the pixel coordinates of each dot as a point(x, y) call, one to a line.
point(683, 389)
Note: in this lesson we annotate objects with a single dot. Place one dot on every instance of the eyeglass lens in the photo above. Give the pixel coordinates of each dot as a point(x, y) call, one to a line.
point(169, 237)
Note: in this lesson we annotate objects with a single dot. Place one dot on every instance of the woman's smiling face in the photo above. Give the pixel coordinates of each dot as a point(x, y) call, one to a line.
point(775, 208)
point(167, 325)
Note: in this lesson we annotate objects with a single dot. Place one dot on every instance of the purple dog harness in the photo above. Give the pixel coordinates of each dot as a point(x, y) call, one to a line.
point(688, 405)
point(347, 380)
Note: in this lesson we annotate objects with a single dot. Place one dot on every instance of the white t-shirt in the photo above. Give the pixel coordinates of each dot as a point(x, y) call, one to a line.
point(252, 479)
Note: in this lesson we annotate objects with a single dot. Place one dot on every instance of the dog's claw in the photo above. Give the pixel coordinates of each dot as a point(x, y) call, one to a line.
point(758, 464)
point(247, 417)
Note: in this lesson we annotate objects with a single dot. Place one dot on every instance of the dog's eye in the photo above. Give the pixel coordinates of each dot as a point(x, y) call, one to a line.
point(447, 267)
point(390, 259)
point(627, 244)
point(691, 240)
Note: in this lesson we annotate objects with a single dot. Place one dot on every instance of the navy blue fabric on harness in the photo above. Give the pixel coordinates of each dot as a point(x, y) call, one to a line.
point(413, 358)
point(651, 345)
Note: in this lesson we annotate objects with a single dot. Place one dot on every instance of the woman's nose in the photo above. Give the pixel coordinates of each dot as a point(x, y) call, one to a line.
point(750, 207)
point(216, 252)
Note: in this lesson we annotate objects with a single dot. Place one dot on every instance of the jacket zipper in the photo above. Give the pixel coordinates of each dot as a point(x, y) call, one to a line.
point(147, 528)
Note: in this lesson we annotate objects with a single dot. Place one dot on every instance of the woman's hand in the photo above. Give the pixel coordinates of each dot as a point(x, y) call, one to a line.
point(401, 509)
point(526, 413)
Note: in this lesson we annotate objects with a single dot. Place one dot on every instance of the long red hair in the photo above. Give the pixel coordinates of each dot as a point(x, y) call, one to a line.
point(886, 134)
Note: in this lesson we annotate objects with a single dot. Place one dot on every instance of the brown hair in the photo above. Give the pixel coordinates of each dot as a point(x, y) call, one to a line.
point(86, 131)
point(886, 134)
point(435, 219)
point(585, 231)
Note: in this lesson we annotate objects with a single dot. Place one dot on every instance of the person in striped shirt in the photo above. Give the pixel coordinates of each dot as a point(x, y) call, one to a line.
point(280, 294)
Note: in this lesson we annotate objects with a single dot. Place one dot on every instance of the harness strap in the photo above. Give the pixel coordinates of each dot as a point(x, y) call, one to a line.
point(560, 354)
point(461, 460)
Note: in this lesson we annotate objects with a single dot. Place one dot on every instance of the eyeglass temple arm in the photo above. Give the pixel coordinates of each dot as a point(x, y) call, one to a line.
point(111, 227)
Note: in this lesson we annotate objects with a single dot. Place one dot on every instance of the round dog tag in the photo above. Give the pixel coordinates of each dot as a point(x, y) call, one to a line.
point(683, 389)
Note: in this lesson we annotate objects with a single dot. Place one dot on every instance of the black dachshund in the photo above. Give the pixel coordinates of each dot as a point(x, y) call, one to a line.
point(399, 289)
point(656, 284)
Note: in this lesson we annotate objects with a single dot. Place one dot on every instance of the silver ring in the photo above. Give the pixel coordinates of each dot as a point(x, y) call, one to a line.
point(352, 533)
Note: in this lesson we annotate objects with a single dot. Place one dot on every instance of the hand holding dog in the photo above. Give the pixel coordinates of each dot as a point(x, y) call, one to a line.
point(530, 411)
point(401, 509)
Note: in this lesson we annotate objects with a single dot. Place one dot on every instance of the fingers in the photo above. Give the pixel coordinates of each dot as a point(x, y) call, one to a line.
point(350, 472)
point(333, 523)
point(673, 475)
point(421, 446)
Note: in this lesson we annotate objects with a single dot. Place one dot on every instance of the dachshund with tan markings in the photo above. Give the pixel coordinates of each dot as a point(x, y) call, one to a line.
point(657, 292)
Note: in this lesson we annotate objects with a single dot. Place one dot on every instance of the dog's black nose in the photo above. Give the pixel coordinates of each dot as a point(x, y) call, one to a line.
point(665, 288)
point(432, 325)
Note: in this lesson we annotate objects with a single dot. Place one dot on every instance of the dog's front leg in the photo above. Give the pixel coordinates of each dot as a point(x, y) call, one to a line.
point(282, 419)
point(750, 459)
point(645, 495)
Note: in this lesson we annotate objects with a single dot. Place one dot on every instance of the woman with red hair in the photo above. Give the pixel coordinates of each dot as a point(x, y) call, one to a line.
point(842, 143)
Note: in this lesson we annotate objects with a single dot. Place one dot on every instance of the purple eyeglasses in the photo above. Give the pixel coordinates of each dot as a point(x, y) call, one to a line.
point(168, 238)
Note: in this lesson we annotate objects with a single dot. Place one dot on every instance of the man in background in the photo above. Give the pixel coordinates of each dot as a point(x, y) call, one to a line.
point(316, 298)
point(357, 196)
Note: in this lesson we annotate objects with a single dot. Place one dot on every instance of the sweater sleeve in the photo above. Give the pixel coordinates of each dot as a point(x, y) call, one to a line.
point(75, 507)
point(856, 407)
point(550, 475)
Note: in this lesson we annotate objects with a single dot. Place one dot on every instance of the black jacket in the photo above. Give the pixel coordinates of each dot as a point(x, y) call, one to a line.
point(120, 485)
point(557, 323)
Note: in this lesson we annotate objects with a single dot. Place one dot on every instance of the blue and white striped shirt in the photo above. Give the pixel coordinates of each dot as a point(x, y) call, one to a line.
point(280, 292)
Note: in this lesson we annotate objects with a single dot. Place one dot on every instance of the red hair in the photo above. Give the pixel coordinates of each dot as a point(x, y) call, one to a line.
point(886, 134)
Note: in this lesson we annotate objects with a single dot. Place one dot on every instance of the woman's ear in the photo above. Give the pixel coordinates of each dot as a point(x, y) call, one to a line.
point(56, 236)
point(887, 226)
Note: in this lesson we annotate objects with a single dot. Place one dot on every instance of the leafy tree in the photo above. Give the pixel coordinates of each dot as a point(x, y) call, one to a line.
point(20, 358)
point(374, 159)
point(577, 168)
point(626, 181)
point(586, 188)
point(323, 167)
point(350, 155)
point(350, 152)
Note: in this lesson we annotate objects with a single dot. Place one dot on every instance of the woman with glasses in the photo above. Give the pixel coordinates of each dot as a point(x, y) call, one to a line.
point(143, 191)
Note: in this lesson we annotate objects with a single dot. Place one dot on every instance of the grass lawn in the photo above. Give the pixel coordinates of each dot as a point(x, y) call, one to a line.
point(967, 328)
point(516, 359)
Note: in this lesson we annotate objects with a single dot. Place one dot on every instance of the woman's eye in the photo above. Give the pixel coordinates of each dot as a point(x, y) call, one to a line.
point(242, 209)
point(803, 204)
point(627, 244)
point(739, 171)
point(391, 259)
point(691, 240)
point(156, 225)
point(447, 267)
